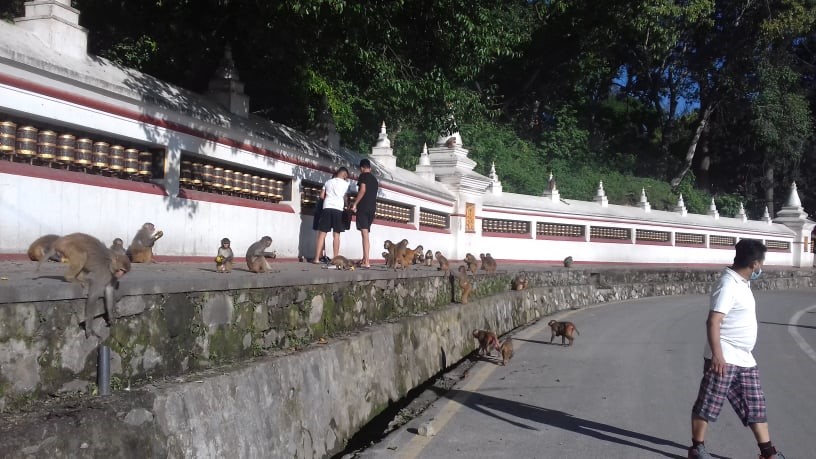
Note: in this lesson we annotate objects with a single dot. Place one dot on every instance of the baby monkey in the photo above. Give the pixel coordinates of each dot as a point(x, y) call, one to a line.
point(43, 245)
point(429, 258)
point(464, 284)
point(519, 282)
point(506, 350)
point(223, 260)
point(487, 341)
point(565, 330)
point(342, 262)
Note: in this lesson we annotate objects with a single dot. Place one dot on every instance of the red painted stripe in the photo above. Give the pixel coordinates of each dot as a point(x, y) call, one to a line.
point(508, 235)
point(668, 243)
point(431, 229)
point(542, 237)
point(611, 241)
point(81, 178)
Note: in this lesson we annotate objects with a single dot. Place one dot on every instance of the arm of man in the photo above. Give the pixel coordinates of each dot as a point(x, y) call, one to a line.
point(359, 197)
point(713, 325)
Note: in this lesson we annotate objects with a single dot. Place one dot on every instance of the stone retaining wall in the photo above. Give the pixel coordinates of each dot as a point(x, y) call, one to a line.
point(304, 403)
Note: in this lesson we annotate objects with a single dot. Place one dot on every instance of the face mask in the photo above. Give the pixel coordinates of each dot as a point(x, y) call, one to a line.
point(755, 274)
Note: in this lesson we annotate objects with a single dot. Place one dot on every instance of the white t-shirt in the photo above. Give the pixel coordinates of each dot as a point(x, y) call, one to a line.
point(732, 296)
point(336, 190)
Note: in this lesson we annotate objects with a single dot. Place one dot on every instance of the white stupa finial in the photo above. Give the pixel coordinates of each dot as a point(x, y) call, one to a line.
point(552, 189)
point(681, 206)
point(712, 210)
point(600, 195)
point(741, 213)
point(793, 198)
point(493, 176)
point(766, 216)
point(382, 139)
point(644, 202)
point(601, 191)
point(424, 159)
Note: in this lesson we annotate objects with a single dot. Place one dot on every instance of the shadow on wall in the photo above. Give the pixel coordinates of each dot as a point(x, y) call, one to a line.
point(307, 237)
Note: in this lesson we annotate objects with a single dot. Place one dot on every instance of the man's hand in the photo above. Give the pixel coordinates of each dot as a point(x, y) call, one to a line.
point(718, 365)
point(713, 325)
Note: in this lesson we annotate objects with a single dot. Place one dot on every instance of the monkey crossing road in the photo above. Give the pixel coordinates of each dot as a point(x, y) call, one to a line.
point(623, 390)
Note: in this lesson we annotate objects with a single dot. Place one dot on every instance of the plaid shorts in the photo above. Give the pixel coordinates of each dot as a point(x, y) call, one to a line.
point(740, 386)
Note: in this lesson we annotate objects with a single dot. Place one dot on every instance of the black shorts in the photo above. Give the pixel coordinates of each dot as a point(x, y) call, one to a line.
point(364, 219)
point(331, 219)
point(316, 219)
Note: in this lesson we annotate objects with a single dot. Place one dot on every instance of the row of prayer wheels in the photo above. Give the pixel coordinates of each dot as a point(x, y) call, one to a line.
point(209, 177)
point(309, 196)
point(45, 147)
point(393, 212)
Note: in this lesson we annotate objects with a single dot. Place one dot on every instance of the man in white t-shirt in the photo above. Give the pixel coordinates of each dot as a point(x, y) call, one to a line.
point(333, 195)
point(730, 371)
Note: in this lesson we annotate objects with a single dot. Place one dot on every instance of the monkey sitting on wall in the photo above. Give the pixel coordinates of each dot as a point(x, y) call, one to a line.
point(256, 256)
point(92, 264)
point(443, 263)
point(141, 249)
point(472, 263)
point(487, 341)
point(43, 245)
point(429, 258)
point(564, 330)
point(395, 252)
point(224, 257)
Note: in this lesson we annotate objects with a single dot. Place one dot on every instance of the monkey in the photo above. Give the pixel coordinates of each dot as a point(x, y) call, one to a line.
point(487, 341)
point(399, 254)
point(92, 264)
point(568, 262)
point(256, 256)
point(141, 249)
point(386, 256)
point(41, 246)
point(342, 262)
point(451, 142)
point(564, 330)
point(464, 284)
point(393, 251)
point(408, 256)
point(472, 264)
point(519, 282)
point(488, 263)
point(443, 262)
point(223, 259)
point(117, 249)
point(429, 257)
point(506, 351)
point(419, 255)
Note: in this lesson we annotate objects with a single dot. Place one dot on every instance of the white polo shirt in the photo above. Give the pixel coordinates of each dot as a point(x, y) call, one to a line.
point(732, 296)
point(336, 190)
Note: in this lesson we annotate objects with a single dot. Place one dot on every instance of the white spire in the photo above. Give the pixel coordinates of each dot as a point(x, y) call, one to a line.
point(793, 198)
point(382, 140)
point(766, 216)
point(495, 184)
point(600, 196)
point(552, 189)
point(424, 159)
point(712, 210)
point(493, 175)
point(741, 213)
point(644, 202)
point(681, 206)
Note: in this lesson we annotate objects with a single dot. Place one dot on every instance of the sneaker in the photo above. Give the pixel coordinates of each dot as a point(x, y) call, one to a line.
point(325, 259)
point(778, 455)
point(698, 452)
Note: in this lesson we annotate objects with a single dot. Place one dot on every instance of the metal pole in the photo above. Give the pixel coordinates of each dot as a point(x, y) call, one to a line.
point(103, 370)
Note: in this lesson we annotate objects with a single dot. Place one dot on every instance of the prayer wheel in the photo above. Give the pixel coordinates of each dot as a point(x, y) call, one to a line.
point(278, 193)
point(208, 175)
point(198, 174)
point(255, 185)
point(186, 177)
point(246, 184)
point(66, 145)
point(26, 142)
point(229, 179)
point(263, 188)
point(47, 145)
point(84, 152)
point(145, 163)
point(8, 135)
point(237, 182)
point(218, 178)
point(101, 155)
point(131, 161)
point(117, 158)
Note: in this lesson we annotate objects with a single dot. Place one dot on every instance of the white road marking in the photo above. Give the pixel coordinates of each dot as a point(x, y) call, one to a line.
point(792, 329)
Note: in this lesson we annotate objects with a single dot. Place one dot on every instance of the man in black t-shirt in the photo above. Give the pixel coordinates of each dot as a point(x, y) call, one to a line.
point(364, 206)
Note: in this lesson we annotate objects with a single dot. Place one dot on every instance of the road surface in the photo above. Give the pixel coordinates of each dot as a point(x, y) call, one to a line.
point(624, 389)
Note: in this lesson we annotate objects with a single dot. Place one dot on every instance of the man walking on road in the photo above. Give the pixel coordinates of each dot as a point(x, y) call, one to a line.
point(730, 371)
point(364, 206)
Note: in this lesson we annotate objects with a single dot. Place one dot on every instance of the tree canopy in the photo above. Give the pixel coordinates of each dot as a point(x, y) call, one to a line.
point(703, 97)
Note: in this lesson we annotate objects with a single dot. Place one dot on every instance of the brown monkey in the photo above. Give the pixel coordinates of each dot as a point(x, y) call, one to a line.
point(464, 284)
point(568, 262)
point(393, 249)
point(141, 249)
point(342, 262)
point(399, 254)
point(487, 341)
point(256, 256)
point(443, 263)
point(41, 246)
point(92, 264)
point(224, 257)
point(117, 249)
point(491, 263)
point(564, 330)
point(419, 255)
point(472, 264)
point(408, 256)
point(429, 257)
point(519, 282)
point(386, 256)
point(506, 350)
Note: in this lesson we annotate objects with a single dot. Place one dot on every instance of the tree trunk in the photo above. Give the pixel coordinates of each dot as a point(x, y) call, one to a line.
point(693, 146)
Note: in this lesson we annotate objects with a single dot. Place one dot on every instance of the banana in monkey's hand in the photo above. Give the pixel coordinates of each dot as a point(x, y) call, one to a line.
point(219, 259)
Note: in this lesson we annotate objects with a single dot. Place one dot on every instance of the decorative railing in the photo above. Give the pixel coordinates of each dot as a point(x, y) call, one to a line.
point(783, 246)
point(393, 212)
point(560, 230)
point(609, 233)
point(202, 175)
point(433, 219)
point(690, 239)
point(722, 241)
point(495, 225)
point(26, 143)
point(642, 235)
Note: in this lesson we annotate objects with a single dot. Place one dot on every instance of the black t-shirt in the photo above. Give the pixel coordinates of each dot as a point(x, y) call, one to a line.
point(369, 201)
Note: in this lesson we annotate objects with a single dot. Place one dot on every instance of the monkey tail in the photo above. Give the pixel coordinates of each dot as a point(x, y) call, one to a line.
point(576, 329)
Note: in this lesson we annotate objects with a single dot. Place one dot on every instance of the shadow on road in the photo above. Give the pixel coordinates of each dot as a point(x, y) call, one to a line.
point(789, 325)
point(488, 405)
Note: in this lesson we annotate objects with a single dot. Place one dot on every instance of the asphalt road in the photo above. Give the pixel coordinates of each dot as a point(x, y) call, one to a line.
point(624, 389)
